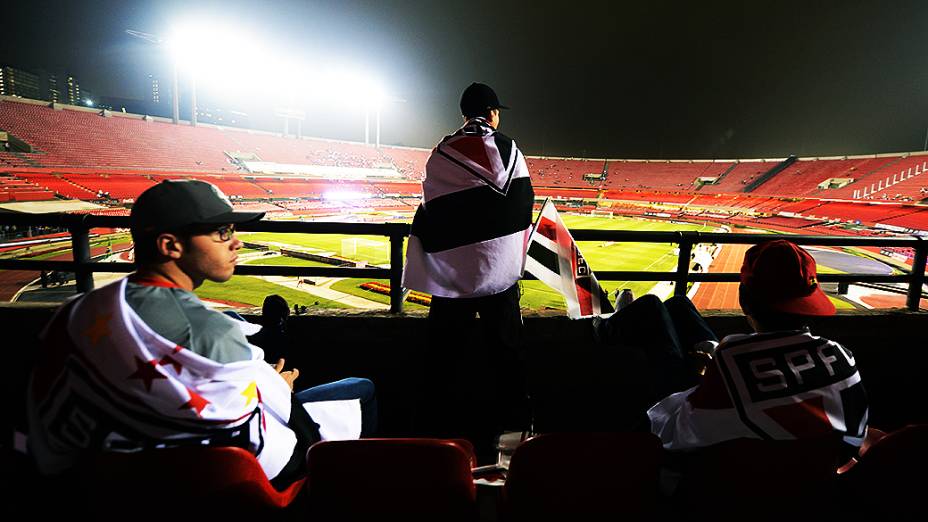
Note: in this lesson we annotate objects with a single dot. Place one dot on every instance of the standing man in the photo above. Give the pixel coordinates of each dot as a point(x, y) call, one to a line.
point(467, 249)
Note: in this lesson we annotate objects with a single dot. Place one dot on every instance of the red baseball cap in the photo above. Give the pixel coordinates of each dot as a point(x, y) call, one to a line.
point(781, 276)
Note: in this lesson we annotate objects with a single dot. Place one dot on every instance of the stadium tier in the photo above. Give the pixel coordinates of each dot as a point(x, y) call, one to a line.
point(79, 153)
point(566, 173)
point(58, 185)
point(661, 175)
point(17, 189)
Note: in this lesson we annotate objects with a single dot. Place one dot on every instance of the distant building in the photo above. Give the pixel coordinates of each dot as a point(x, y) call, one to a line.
point(219, 116)
point(74, 91)
point(122, 104)
point(52, 88)
point(17, 82)
point(155, 90)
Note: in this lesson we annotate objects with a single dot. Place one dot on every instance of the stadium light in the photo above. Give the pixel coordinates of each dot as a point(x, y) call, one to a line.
point(356, 88)
point(214, 53)
point(88, 102)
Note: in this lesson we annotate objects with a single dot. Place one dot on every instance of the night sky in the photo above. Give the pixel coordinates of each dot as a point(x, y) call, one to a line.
point(593, 79)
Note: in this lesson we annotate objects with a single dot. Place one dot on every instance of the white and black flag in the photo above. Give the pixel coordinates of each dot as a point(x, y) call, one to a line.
point(553, 257)
point(469, 235)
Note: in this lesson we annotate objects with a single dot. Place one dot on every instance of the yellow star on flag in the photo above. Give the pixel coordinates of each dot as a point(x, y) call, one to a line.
point(99, 328)
point(251, 392)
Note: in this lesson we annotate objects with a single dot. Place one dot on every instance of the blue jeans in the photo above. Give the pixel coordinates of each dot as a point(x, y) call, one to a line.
point(347, 389)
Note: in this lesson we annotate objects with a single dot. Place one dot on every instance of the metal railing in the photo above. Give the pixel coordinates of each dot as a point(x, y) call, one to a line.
point(83, 267)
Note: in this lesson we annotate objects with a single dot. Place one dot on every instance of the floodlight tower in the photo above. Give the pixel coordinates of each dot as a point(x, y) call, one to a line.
point(157, 40)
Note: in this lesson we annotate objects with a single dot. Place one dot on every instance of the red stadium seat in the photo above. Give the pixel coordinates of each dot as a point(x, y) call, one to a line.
point(760, 479)
point(570, 475)
point(185, 481)
point(427, 479)
point(889, 478)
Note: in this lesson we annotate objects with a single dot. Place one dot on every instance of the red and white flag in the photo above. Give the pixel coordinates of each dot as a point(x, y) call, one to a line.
point(553, 257)
point(108, 382)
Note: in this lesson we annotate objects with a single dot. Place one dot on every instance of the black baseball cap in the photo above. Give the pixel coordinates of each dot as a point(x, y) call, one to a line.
point(477, 98)
point(177, 203)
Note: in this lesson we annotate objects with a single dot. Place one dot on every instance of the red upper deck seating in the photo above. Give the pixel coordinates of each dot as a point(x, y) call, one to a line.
point(661, 175)
point(869, 213)
point(309, 151)
point(409, 162)
point(917, 220)
point(902, 181)
point(740, 175)
point(77, 138)
point(557, 172)
point(803, 177)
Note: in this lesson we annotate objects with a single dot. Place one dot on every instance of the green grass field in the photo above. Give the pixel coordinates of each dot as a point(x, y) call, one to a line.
point(375, 250)
point(285, 261)
point(371, 249)
point(252, 291)
point(600, 255)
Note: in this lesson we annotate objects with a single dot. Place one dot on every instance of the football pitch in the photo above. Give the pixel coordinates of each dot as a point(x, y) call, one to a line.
point(375, 250)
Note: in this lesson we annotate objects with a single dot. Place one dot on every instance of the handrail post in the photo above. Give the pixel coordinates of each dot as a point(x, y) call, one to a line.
point(80, 248)
point(913, 299)
point(396, 273)
point(683, 263)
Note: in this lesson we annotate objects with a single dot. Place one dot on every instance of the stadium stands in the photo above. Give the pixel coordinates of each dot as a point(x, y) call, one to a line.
point(58, 185)
point(567, 173)
point(17, 189)
point(80, 153)
point(661, 175)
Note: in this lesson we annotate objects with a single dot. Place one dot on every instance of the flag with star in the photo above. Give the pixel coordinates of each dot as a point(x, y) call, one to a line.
point(111, 382)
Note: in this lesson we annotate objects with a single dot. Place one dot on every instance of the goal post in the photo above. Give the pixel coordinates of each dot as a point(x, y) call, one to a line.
point(602, 213)
point(363, 249)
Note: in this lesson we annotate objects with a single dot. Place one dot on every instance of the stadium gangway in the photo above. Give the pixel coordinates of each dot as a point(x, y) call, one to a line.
point(83, 267)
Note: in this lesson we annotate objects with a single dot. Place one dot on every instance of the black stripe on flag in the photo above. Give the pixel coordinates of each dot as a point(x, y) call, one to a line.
point(544, 257)
point(504, 145)
point(473, 215)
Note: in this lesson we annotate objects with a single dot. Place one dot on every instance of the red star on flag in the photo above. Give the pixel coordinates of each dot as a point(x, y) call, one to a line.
point(147, 371)
point(168, 360)
point(196, 402)
point(99, 329)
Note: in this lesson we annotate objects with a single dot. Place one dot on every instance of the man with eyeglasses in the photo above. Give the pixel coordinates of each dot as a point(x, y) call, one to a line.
point(142, 363)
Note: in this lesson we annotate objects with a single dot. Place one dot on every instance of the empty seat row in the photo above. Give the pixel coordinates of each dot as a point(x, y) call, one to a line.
point(551, 476)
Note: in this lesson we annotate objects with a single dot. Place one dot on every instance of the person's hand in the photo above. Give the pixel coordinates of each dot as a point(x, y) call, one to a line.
point(288, 376)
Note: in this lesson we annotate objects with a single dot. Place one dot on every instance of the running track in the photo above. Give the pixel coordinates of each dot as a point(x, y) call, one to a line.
point(722, 296)
point(12, 280)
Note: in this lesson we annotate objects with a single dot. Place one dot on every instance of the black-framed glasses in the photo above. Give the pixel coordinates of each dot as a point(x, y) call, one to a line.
point(218, 233)
point(224, 233)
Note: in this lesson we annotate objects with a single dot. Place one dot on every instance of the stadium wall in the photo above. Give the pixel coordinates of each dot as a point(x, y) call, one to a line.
point(574, 380)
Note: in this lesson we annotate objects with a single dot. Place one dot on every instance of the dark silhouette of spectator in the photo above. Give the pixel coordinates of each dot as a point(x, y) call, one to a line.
point(273, 337)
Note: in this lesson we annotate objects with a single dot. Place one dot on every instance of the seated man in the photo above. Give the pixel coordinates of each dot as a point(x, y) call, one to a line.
point(780, 382)
point(143, 363)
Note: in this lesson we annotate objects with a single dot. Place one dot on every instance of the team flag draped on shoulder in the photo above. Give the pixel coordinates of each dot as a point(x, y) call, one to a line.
point(469, 233)
point(106, 381)
point(779, 385)
point(553, 257)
